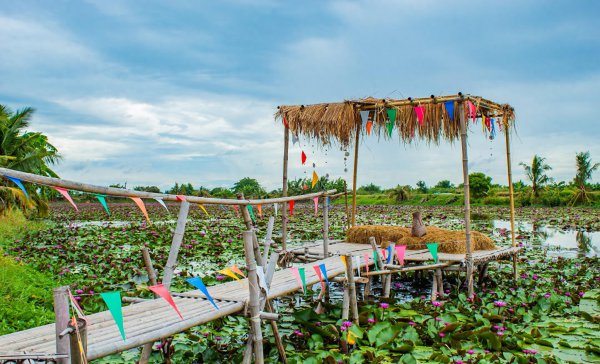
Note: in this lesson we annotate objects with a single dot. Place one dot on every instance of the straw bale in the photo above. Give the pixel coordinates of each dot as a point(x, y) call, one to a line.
point(450, 241)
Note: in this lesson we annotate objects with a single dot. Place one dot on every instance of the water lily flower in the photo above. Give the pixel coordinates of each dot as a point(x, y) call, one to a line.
point(218, 338)
point(298, 333)
point(499, 333)
point(458, 361)
point(384, 305)
point(412, 323)
point(372, 320)
point(442, 334)
point(347, 323)
point(220, 278)
point(499, 303)
point(470, 351)
point(436, 303)
point(343, 328)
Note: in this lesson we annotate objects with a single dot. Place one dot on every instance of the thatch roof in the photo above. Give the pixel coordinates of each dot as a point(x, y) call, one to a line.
point(340, 121)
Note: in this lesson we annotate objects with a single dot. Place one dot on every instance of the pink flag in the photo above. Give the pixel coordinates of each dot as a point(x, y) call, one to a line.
point(367, 262)
point(472, 110)
point(297, 275)
point(162, 291)
point(316, 201)
point(291, 208)
point(384, 254)
point(318, 270)
point(138, 201)
point(420, 111)
point(400, 250)
point(66, 195)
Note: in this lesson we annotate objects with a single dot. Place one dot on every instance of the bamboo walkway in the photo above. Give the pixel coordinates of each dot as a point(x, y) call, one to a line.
point(154, 319)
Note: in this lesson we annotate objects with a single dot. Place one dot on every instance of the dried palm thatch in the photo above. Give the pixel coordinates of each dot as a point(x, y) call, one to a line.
point(450, 241)
point(341, 121)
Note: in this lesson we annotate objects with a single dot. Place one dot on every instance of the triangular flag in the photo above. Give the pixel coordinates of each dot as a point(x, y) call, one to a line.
point(343, 257)
point(180, 198)
point(433, 249)
point(392, 114)
point(449, 105)
point(162, 291)
point(296, 274)
point(420, 111)
point(66, 195)
point(162, 203)
point(390, 127)
point(303, 158)
point(229, 273)
point(291, 203)
point(295, 139)
point(237, 210)
point(364, 115)
point(316, 201)
point(204, 209)
point(383, 254)
point(18, 183)
point(324, 272)
point(285, 122)
point(493, 131)
point(275, 208)
point(369, 126)
point(303, 278)
point(259, 208)
point(113, 301)
point(251, 212)
point(197, 282)
point(375, 259)
point(472, 110)
point(357, 263)
point(400, 251)
point(234, 268)
point(318, 270)
point(75, 305)
point(367, 262)
point(102, 200)
point(389, 254)
point(138, 201)
point(315, 179)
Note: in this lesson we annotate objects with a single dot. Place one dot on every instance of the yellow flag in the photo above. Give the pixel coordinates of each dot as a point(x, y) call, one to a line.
point(315, 179)
point(228, 273)
point(344, 261)
point(203, 209)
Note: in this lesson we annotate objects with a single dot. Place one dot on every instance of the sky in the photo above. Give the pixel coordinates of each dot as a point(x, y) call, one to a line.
point(157, 92)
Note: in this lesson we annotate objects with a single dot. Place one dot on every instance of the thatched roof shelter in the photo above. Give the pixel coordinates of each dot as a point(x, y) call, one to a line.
point(340, 121)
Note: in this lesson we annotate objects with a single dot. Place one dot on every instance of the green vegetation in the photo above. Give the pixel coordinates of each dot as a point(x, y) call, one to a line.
point(536, 174)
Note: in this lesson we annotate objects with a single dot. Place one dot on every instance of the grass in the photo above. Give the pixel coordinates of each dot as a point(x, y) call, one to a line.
point(25, 293)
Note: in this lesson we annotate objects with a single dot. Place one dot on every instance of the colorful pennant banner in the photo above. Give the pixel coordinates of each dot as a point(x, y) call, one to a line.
point(369, 126)
point(65, 193)
point(303, 158)
point(113, 301)
point(138, 201)
point(400, 252)
point(291, 205)
point(198, 283)
point(229, 273)
point(472, 110)
point(251, 212)
point(389, 254)
point(366, 255)
point(180, 198)
point(420, 112)
point(259, 208)
point(316, 202)
point(296, 272)
point(364, 115)
point(433, 249)
point(162, 291)
point(102, 200)
point(315, 179)
point(19, 184)
point(234, 268)
point(449, 106)
point(318, 271)
point(162, 203)
point(204, 209)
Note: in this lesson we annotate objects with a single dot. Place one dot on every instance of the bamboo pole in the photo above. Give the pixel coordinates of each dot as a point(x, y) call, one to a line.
point(373, 243)
point(147, 349)
point(253, 299)
point(250, 227)
point(325, 229)
point(176, 244)
point(61, 314)
point(512, 197)
point(354, 174)
point(465, 165)
point(268, 239)
point(119, 192)
point(346, 203)
point(284, 189)
point(398, 269)
point(351, 288)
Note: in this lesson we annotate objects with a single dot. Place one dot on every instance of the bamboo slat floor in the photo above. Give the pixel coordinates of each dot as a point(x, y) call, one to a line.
point(151, 320)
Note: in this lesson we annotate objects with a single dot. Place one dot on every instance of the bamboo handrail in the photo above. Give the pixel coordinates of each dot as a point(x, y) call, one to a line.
point(120, 192)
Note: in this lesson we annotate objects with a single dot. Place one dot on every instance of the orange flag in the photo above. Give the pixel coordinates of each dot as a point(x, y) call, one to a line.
point(234, 268)
point(315, 179)
point(138, 201)
point(259, 208)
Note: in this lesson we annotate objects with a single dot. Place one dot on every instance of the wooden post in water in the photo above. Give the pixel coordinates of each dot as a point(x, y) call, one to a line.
point(511, 192)
point(284, 189)
point(354, 174)
point(176, 244)
point(147, 348)
point(325, 228)
point(465, 165)
point(61, 314)
point(352, 288)
point(253, 299)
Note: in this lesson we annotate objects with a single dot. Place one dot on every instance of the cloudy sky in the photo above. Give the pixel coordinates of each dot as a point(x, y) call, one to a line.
point(154, 92)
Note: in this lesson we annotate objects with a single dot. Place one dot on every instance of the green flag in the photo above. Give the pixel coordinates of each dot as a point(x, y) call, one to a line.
point(303, 278)
point(251, 213)
point(113, 301)
point(375, 259)
point(392, 115)
point(433, 249)
point(102, 200)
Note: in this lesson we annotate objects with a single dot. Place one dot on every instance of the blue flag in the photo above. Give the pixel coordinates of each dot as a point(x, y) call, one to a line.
point(449, 105)
point(197, 282)
point(389, 254)
point(18, 183)
point(324, 272)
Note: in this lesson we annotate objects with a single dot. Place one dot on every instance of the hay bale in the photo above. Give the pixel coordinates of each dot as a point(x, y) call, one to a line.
point(450, 241)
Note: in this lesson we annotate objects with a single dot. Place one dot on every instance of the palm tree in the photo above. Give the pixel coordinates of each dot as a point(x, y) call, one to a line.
point(399, 193)
point(24, 151)
point(585, 170)
point(536, 174)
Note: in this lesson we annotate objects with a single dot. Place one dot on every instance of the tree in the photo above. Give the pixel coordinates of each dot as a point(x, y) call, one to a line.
point(24, 151)
point(444, 184)
point(585, 170)
point(154, 189)
point(536, 174)
point(422, 187)
point(370, 188)
point(249, 187)
point(479, 184)
point(399, 193)
point(222, 192)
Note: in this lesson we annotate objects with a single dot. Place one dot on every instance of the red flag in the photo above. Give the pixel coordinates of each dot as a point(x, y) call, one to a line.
point(318, 270)
point(303, 157)
point(180, 198)
point(420, 111)
point(291, 208)
point(285, 123)
point(162, 291)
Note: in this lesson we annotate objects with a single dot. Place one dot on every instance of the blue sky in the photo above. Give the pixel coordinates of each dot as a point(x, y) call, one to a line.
point(155, 92)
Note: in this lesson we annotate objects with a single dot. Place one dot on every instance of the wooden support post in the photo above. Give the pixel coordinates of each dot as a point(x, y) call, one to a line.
point(346, 202)
point(352, 288)
point(346, 302)
point(250, 227)
point(176, 244)
point(440, 282)
point(465, 165)
point(354, 174)
point(254, 298)
point(511, 195)
point(268, 239)
point(79, 333)
point(284, 189)
point(434, 286)
point(147, 348)
point(388, 279)
point(325, 228)
point(61, 314)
